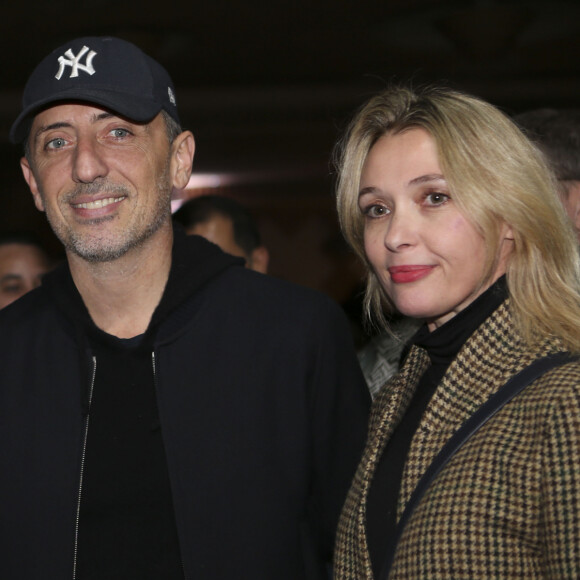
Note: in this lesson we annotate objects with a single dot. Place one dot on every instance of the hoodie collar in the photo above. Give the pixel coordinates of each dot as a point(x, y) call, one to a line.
point(194, 262)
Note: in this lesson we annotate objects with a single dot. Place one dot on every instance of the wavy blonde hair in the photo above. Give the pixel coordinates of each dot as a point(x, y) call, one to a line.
point(496, 176)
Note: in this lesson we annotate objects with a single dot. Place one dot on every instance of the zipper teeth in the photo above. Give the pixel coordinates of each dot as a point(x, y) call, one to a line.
point(77, 520)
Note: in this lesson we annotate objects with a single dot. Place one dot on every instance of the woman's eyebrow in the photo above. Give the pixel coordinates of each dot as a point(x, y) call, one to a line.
point(427, 178)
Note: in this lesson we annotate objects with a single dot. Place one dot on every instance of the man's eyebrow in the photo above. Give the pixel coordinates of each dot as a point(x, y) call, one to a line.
point(108, 115)
point(102, 116)
point(51, 127)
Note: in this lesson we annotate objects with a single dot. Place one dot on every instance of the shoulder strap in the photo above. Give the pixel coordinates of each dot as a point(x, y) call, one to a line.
point(505, 394)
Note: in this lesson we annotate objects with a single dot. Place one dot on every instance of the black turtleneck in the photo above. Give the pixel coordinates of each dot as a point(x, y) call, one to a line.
point(442, 346)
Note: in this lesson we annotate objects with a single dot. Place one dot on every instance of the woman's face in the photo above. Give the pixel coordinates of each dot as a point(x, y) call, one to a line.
point(427, 256)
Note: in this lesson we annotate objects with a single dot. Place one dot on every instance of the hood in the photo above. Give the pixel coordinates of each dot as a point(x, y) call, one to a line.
point(194, 262)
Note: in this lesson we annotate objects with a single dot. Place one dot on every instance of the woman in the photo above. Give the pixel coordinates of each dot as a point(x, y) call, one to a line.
point(455, 214)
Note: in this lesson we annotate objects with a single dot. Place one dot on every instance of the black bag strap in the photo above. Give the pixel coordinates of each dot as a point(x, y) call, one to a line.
point(505, 394)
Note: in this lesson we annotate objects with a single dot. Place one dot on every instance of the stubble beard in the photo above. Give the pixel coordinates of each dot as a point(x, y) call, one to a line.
point(110, 247)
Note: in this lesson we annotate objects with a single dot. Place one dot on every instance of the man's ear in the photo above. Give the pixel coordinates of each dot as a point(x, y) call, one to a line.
point(32, 184)
point(183, 150)
point(259, 259)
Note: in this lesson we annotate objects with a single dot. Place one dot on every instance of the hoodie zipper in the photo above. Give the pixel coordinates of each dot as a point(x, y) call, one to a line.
point(77, 520)
point(84, 449)
point(156, 390)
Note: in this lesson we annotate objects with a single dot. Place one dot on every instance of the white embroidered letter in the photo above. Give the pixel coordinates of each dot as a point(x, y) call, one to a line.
point(75, 65)
point(171, 96)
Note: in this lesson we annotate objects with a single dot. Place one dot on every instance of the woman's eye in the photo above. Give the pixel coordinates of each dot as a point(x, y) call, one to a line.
point(376, 211)
point(437, 198)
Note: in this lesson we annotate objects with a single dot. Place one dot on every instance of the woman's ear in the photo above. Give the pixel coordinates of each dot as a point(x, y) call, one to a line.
point(507, 233)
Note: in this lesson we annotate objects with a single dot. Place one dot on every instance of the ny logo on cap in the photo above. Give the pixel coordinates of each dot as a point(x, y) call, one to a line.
point(74, 62)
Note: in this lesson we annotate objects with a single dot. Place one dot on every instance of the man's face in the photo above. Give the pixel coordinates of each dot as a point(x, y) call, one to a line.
point(21, 268)
point(219, 230)
point(105, 183)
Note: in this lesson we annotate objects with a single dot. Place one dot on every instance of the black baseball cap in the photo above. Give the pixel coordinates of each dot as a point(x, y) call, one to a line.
point(105, 71)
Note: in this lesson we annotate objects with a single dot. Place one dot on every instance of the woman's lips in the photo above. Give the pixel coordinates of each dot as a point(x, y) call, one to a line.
point(406, 274)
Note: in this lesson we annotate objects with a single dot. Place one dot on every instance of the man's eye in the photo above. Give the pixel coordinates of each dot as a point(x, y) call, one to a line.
point(12, 288)
point(57, 143)
point(119, 133)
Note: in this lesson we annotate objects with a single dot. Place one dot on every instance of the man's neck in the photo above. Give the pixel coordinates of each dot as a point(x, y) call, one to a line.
point(122, 295)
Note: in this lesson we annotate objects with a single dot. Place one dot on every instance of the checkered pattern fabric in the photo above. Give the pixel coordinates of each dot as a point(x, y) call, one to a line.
point(507, 505)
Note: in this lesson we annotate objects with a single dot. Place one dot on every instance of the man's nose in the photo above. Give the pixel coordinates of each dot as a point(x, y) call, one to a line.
point(89, 162)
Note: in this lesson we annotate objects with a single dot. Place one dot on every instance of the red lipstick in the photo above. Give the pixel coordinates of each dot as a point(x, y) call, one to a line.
point(406, 274)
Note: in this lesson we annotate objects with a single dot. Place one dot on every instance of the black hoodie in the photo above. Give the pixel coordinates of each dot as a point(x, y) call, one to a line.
point(126, 520)
point(244, 388)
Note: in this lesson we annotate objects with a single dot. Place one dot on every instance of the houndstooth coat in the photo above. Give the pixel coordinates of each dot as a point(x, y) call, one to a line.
point(507, 505)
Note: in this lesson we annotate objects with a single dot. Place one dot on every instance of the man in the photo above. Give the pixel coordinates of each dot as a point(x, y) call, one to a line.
point(557, 133)
point(228, 224)
point(165, 412)
point(23, 262)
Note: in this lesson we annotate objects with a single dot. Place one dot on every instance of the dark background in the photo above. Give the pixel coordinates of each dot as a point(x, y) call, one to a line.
point(267, 86)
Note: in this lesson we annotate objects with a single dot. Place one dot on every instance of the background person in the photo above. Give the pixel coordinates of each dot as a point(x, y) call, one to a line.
point(457, 218)
point(228, 224)
point(557, 133)
point(23, 262)
point(380, 357)
point(165, 412)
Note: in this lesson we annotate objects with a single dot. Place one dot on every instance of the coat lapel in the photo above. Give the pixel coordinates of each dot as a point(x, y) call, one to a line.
point(485, 362)
point(386, 413)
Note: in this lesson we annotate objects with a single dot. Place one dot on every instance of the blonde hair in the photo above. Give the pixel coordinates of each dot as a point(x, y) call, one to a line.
point(496, 176)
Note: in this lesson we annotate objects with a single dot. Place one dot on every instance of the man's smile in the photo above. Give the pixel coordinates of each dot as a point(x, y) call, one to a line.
point(98, 203)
